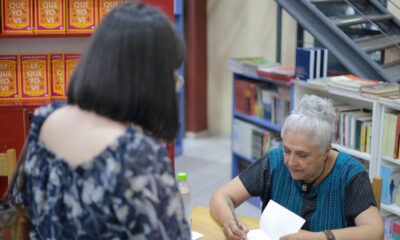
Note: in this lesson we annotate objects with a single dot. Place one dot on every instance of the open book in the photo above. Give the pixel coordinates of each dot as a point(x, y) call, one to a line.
point(276, 221)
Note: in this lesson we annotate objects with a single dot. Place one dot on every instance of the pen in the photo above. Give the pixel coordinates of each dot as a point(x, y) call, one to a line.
point(229, 201)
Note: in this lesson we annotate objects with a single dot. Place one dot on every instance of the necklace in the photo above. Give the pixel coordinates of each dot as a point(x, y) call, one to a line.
point(304, 186)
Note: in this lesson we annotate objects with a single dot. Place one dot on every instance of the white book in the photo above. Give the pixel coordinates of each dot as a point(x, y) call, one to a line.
point(318, 63)
point(276, 221)
point(325, 63)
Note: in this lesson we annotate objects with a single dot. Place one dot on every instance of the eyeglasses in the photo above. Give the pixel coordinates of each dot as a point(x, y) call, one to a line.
point(179, 81)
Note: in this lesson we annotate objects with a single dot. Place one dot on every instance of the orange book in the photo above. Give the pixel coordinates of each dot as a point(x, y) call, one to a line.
point(70, 61)
point(104, 6)
point(9, 79)
point(34, 76)
point(57, 75)
point(49, 16)
point(81, 16)
point(17, 16)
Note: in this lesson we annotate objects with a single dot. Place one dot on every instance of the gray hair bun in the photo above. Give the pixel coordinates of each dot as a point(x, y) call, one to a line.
point(316, 107)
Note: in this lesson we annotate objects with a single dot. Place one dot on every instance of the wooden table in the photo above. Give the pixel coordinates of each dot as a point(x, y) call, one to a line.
point(203, 223)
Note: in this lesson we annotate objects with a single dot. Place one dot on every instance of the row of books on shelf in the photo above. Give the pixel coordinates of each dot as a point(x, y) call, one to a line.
point(353, 127)
point(311, 63)
point(357, 85)
point(36, 76)
point(391, 134)
point(53, 16)
point(265, 101)
point(252, 141)
point(262, 67)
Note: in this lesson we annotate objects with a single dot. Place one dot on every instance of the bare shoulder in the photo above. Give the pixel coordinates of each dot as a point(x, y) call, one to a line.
point(78, 135)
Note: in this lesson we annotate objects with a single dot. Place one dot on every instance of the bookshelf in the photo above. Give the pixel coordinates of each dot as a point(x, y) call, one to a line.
point(381, 139)
point(257, 115)
point(387, 155)
point(368, 158)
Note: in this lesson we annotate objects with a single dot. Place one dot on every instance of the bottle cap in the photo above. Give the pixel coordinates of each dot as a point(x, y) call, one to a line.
point(181, 176)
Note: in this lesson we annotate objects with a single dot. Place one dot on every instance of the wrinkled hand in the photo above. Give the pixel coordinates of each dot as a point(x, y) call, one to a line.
point(232, 232)
point(303, 236)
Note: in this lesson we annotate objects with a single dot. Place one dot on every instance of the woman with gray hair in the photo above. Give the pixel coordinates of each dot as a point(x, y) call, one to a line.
point(331, 190)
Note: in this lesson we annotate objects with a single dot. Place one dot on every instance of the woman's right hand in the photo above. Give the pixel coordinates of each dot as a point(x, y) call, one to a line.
point(233, 232)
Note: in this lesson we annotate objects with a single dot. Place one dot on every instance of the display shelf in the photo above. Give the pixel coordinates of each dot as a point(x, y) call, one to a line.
point(241, 156)
point(261, 122)
point(259, 91)
point(391, 208)
point(354, 153)
point(260, 79)
point(45, 35)
point(391, 160)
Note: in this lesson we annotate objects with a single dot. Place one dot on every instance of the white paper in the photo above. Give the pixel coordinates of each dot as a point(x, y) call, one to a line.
point(196, 235)
point(276, 221)
point(257, 234)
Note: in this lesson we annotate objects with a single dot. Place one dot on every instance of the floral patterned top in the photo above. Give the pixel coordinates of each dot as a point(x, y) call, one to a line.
point(128, 191)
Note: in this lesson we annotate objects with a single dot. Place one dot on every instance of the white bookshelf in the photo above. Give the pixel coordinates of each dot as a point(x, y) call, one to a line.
point(353, 98)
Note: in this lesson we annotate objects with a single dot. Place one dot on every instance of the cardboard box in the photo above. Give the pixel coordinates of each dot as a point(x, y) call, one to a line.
point(17, 16)
point(57, 75)
point(81, 16)
point(49, 16)
point(34, 76)
point(9, 78)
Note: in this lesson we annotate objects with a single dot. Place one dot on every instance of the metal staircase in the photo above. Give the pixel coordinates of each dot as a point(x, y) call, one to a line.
point(361, 34)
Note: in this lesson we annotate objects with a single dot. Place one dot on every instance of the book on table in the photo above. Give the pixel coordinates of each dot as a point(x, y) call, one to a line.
point(276, 221)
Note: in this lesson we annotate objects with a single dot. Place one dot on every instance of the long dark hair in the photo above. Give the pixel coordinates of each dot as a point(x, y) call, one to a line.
point(127, 71)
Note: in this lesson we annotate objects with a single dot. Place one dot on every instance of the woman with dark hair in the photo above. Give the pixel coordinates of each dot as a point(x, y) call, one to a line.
point(95, 168)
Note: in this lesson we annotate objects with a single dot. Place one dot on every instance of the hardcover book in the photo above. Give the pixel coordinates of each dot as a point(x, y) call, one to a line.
point(249, 65)
point(278, 73)
point(390, 183)
point(380, 88)
point(305, 63)
point(49, 16)
point(350, 82)
point(9, 77)
point(34, 76)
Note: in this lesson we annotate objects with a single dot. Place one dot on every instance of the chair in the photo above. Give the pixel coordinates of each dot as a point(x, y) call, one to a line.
point(377, 189)
point(8, 162)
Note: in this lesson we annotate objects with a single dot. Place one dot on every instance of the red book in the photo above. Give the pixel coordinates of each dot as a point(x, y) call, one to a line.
point(279, 73)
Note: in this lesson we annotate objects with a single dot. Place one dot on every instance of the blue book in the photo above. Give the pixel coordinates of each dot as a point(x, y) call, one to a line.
point(390, 183)
point(305, 64)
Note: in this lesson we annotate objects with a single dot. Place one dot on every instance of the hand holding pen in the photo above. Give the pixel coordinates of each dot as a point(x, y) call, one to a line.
point(234, 229)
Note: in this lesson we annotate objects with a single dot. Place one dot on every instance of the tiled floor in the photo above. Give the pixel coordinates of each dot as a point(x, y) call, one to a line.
point(207, 162)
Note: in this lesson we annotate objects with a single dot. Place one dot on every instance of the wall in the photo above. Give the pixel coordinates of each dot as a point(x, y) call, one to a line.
point(237, 28)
